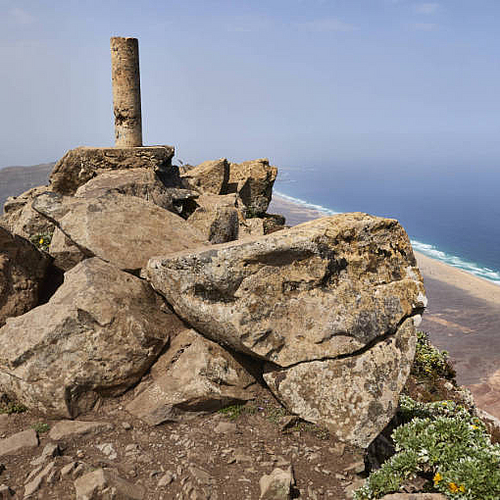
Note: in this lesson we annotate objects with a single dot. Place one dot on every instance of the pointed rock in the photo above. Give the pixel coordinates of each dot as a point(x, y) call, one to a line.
point(97, 335)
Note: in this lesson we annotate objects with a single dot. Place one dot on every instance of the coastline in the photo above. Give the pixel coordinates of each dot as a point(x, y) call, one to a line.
point(462, 317)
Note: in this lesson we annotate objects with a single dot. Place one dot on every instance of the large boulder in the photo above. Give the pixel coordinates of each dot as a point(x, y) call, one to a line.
point(322, 289)
point(217, 217)
point(253, 181)
point(353, 396)
point(80, 165)
point(209, 177)
point(121, 229)
point(143, 183)
point(97, 336)
point(20, 218)
point(22, 272)
point(194, 376)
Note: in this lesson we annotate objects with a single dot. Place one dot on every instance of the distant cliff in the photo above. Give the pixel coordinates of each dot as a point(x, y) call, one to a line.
point(15, 180)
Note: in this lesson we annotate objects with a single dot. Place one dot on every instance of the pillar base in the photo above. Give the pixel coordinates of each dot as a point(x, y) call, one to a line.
point(79, 165)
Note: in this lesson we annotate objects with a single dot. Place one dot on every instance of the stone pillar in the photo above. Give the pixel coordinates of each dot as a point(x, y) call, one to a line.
point(126, 91)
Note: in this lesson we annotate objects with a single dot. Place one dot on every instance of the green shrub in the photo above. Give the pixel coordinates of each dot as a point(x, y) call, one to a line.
point(445, 444)
point(10, 408)
point(41, 241)
point(430, 362)
point(41, 427)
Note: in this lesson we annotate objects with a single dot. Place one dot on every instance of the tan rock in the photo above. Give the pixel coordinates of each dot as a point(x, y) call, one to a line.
point(80, 165)
point(65, 253)
point(322, 289)
point(97, 336)
point(217, 217)
point(93, 485)
point(120, 229)
point(253, 181)
point(194, 376)
point(69, 429)
point(22, 272)
point(18, 442)
point(36, 482)
point(277, 485)
point(356, 396)
point(162, 189)
point(208, 177)
point(20, 218)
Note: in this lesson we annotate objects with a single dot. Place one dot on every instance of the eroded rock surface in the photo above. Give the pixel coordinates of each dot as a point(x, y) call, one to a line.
point(194, 376)
point(209, 177)
point(22, 272)
point(97, 335)
point(121, 229)
point(319, 290)
point(354, 396)
point(80, 165)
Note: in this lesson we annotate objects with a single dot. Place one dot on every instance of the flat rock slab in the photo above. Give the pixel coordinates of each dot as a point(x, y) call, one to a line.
point(68, 429)
point(18, 442)
point(22, 272)
point(356, 396)
point(143, 183)
point(79, 165)
point(320, 290)
point(97, 336)
point(123, 230)
point(193, 377)
point(207, 177)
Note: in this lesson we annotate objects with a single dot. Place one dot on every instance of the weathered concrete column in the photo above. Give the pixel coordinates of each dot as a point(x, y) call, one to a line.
point(126, 91)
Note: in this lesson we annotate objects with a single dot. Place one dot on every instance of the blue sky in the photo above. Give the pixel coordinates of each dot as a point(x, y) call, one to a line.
point(364, 82)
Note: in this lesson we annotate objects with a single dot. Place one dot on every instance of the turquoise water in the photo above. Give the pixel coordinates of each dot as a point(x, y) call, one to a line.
point(452, 215)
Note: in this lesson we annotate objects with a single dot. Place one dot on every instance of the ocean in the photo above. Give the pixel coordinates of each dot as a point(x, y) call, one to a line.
point(450, 214)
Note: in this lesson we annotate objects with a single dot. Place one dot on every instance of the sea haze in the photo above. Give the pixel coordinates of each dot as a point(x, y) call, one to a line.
point(451, 214)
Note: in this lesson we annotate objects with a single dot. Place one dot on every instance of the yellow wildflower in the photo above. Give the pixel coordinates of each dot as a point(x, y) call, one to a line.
point(462, 488)
point(437, 477)
point(452, 487)
point(41, 241)
point(475, 427)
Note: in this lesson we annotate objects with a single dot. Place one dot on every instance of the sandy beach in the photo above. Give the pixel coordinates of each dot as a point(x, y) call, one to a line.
point(462, 317)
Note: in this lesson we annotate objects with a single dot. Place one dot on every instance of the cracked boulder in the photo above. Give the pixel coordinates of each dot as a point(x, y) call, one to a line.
point(22, 273)
point(97, 336)
point(353, 396)
point(331, 305)
point(124, 230)
point(194, 376)
point(319, 290)
point(80, 165)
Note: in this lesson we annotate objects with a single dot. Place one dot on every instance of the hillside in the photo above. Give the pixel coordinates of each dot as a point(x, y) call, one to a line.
point(15, 180)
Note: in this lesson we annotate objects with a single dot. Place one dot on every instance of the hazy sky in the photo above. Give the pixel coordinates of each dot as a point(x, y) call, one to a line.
point(364, 82)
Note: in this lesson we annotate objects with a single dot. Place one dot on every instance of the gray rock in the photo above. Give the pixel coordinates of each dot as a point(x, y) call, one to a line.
point(37, 481)
point(96, 337)
point(277, 485)
point(143, 183)
point(69, 429)
point(18, 442)
point(50, 450)
point(22, 272)
point(319, 290)
point(356, 396)
point(80, 165)
point(120, 229)
point(93, 485)
point(194, 376)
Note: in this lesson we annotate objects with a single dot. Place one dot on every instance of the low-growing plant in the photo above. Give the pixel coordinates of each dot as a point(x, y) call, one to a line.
point(233, 411)
point(10, 408)
point(41, 427)
point(41, 241)
point(429, 361)
point(444, 443)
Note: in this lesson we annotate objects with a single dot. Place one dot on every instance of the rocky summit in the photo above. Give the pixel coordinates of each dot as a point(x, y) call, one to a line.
point(180, 300)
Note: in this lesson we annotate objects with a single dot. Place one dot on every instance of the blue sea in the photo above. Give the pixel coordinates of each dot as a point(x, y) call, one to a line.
point(451, 214)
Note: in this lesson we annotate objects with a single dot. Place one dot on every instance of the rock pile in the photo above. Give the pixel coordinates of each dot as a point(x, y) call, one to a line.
point(180, 289)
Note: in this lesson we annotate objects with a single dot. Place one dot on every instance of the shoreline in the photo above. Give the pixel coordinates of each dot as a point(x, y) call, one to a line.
point(462, 317)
